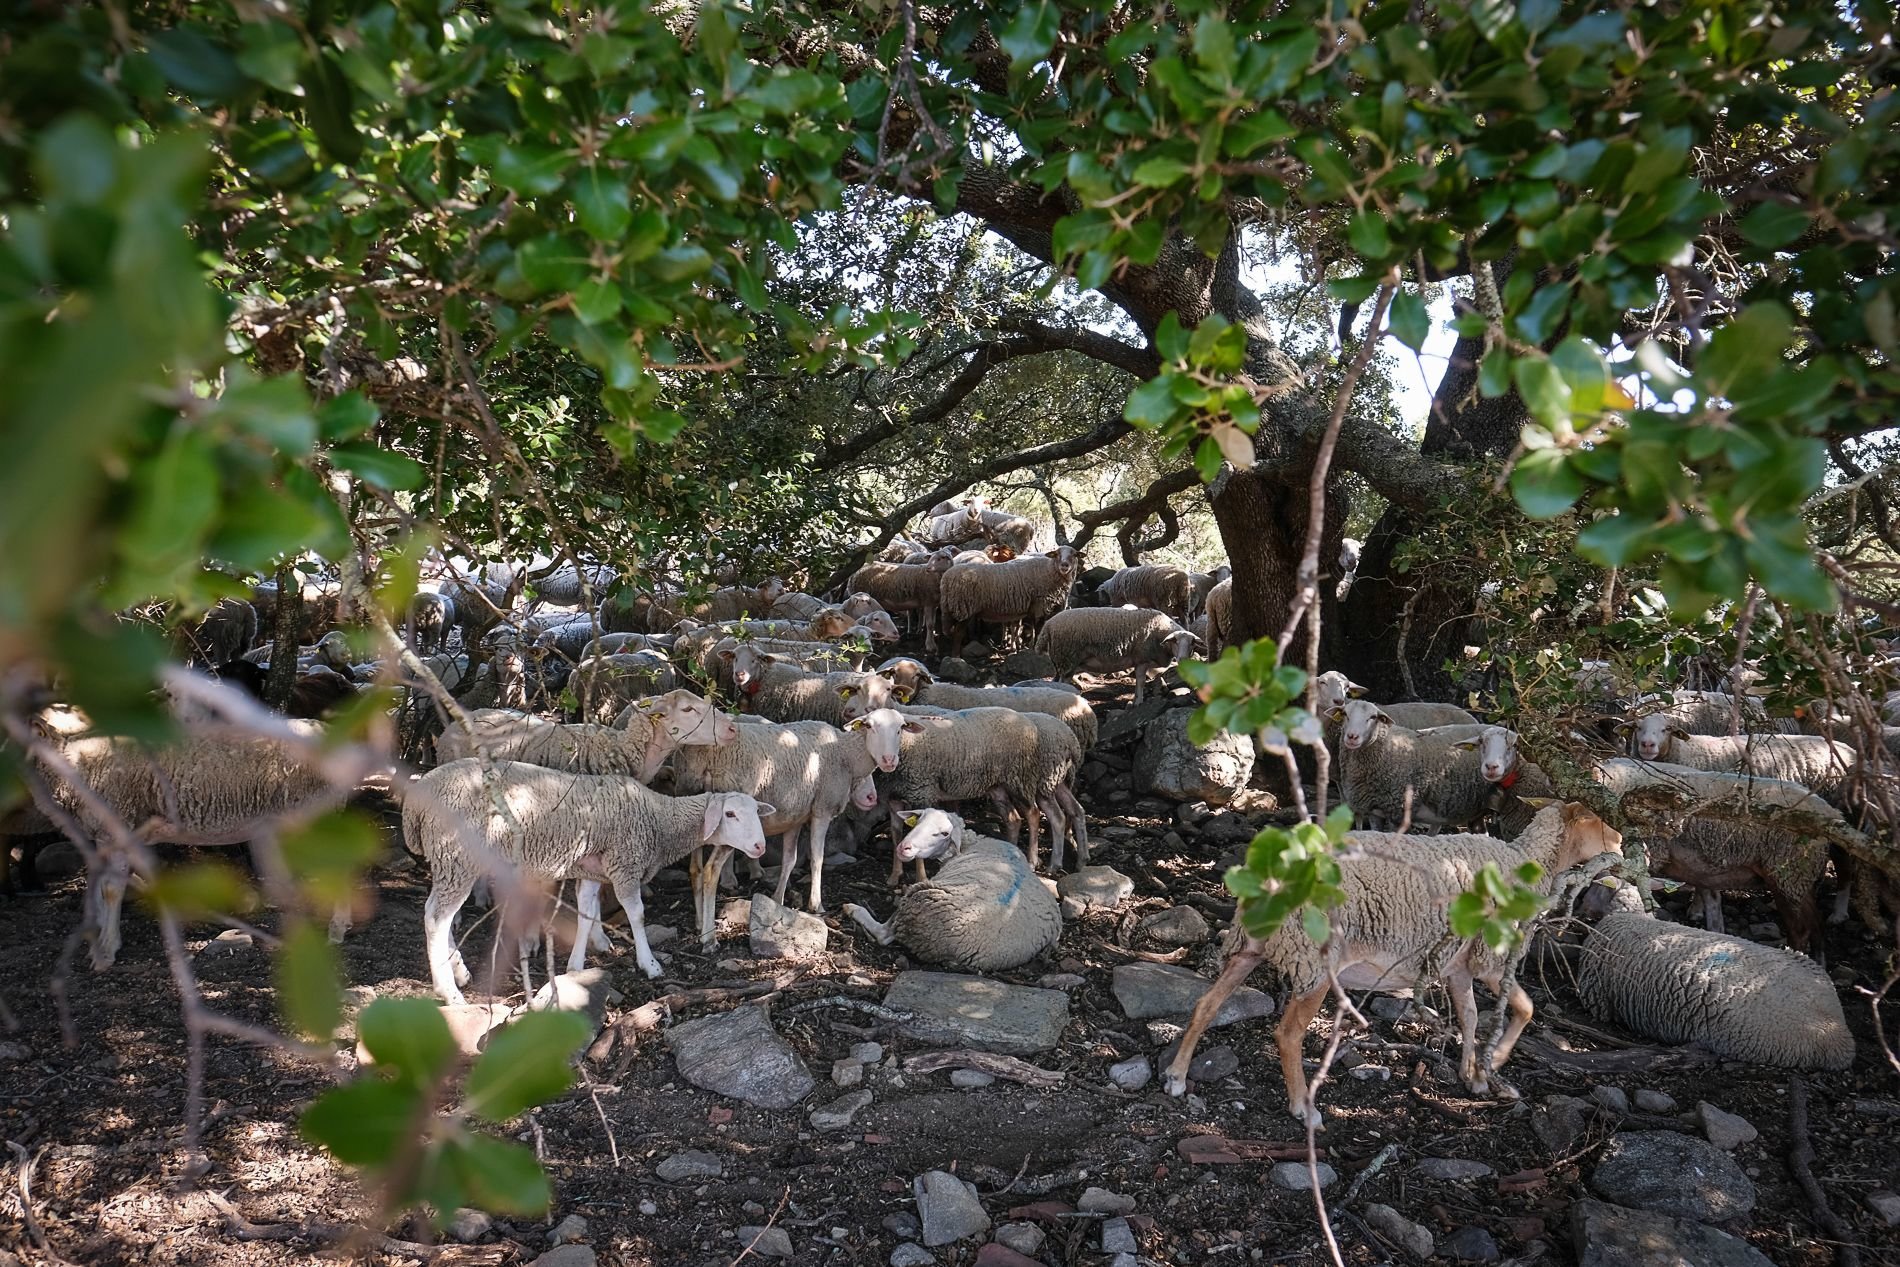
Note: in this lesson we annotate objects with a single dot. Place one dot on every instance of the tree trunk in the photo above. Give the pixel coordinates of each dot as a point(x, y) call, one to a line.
point(286, 616)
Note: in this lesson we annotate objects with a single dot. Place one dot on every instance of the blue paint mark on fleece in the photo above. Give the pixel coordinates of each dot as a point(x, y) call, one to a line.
point(1015, 885)
point(1721, 958)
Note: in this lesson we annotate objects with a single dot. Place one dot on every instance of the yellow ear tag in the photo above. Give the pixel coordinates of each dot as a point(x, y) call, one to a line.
point(910, 820)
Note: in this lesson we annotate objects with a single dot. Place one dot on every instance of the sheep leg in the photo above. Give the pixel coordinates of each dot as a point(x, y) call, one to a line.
point(1242, 961)
point(1290, 1036)
point(105, 894)
point(820, 824)
point(930, 630)
point(706, 893)
point(867, 921)
point(1141, 681)
point(896, 816)
point(446, 969)
point(787, 855)
point(586, 922)
point(1798, 914)
point(1035, 833)
point(628, 891)
point(1006, 810)
point(1520, 1004)
point(1058, 832)
point(1078, 823)
point(1465, 1004)
point(341, 917)
point(1711, 903)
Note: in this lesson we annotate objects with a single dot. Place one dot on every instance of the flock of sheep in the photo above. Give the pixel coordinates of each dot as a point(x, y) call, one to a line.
point(697, 727)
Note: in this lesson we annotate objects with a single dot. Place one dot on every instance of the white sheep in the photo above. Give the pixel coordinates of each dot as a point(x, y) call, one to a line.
point(1335, 688)
point(1025, 591)
point(648, 732)
point(559, 826)
point(1823, 766)
point(729, 603)
point(1739, 999)
point(914, 684)
point(1382, 762)
point(903, 587)
point(780, 691)
point(1155, 586)
point(954, 527)
point(1110, 639)
point(1390, 933)
point(984, 911)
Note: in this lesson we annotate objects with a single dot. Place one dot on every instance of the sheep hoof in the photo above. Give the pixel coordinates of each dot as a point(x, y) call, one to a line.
point(461, 973)
point(1307, 1117)
point(653, 970)
point(1174, 1084)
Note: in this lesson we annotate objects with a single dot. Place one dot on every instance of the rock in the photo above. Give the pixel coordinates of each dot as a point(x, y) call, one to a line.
point(948, 1207)
point(1127, 723)
point(996, 1254)
point(867, 1053)
point(1020, 666)
point(586, 991)
point(903, 1223)
point(1886, 1205)
point(61, 860)
point(1725, 1130)
point(1096, 886)
point(15, 1051)
point(1060, 980)
point(1453, 1169)
point(566, 1256)
point(1611, 1236)
point(1118, 1237)
point(970, 1079)
point(1131, 1074)
point(1293, 1176)
point(1398, 1229)
point(1611, 1098)
point(977, 650)
point(1169, 764)
point(660, 934)
point(779, 932)
point(692, 1164)
point(1371, 1073)
point(911, 1254)
point(1673, 1174)
point(468, 1226)
point(1560, 1122)
point(961, 672)
point(1176, 926)
point(1470, 1245)
point(838, 1114)
point(766, 1242)
point(1147, 990)
point(1024, 1238)
point(1102, 1201)
point(1388, 1007)
point(568, 1231)
point(649, 1208)
point(1655, 1101)
point(228, 944)
point(953, 1010)
point(1214, 1064)
point(847, 1073)
point(739, 1054)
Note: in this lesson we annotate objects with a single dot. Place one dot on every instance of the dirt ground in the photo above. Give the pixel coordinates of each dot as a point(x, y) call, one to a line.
point(99, 1123)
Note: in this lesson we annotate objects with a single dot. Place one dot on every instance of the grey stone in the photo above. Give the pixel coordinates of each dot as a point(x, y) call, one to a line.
point(1118, 1237)
point(568, 1231)
point(1470, 1245)
point(1725, 1130)
point(649, 1208)
point(766, 1242)
point(903, 1223)
point(952, 1009)
point(660, 934)
point(1096, 886)
point(1020, 665)
point(959, 671)
point(911, 1254)
point(847, 1073)
point(970, 1079)
point(1214, 1064)
point(566, 1256)
point(1677, 1175)
point(867, 1053)
point(1124, 724)
point(1560, 1123)
point(1655, 1101)
point(1389, 1007)
point(779, 932)
point(1453, 1169)
point(1612, 1236)
point(1131, 1074)
point(1293, 1176)
point(1102, 1201)
point(692, 1164)
point(1060, 980)
point(838, 1114)
point(1611, 1098)
point(15, 1051)
point(976, 650)
point(1886, 1205)
point(1125, 1260)
point(1148, 990)
point(948, 1207)
point(228, 944)
point(1169, 764)
point(1072, 910)
point(468, 1226)
point(1371, 1073)
point(1398, 1229)
point(739, 1054)
point(1176, 926)
point(586, 991)
point(1024, 1238)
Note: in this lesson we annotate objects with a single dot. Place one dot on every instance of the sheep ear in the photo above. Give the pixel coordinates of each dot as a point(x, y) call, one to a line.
point(728, 655)
point(715, 809)
point(1624, 727)
point(1466, 745)
point(1385, 717)
point(902, 694)
point(766, 809)
point(1679, 730)
point(910, 820)
point(913, 728)
point(856, 723)
point(846, 692)
point(1537, 802)
point(1355, 691)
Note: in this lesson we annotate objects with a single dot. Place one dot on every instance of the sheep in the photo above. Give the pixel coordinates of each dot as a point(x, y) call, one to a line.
point(625, 643)
point(564, 586)
point(902, 587)
point(1350, 550)
point(1824, 766)
point(1022, 591)
point(604, 685)
point(431, 616)
point(782, 692)
point(1741, 1000)
point(318, 692)
point(914, 684)
point(1220, 615)
point(477, 603)
point(224, 633)
point(652, 729)
point(560, 826)
point(955, 527)
point(1518, 783)
point(719, 661)
point(1335, 688)
point(1012, 532)
point(1390, 933)
point(1699, 713)
point(321, 610)
point(1380, 762)
point(984, 910)
point(1155, 586)
point(1200, 584)
point(1108, 639)
point(731, 602)
point(899, 549)
point(810, 771)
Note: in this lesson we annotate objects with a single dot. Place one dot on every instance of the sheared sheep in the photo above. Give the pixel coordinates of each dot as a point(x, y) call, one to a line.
point(1155, 586)
point(1109, 639)
point(1380, 762)
point(984, 911)
point(1741, 1000)
point(560, 826)
point(1021, 592)
point(903, 587)
point(1390, 933)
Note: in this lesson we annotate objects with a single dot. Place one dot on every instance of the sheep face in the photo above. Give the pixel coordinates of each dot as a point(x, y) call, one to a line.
point(934, 833)
point(1180, 645)
point(1334, 689)
point(884, 730)
point(866, 693)
point(1497, 753)
point(879, 625)
point(748, 666)
point(860, 605)
point(1585, 836)
point(1652, 735)
point(907, 677)
point(689, 721)
point(770, 592)
point(1361, 722)
point(864, 792)
point(732, 820)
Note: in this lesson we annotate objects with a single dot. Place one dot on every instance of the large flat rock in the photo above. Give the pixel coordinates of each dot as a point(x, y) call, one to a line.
point(1150, 990)
point(1677, 1175)
point(1612, 1236)
point(739, 1054)
point(955, 1010)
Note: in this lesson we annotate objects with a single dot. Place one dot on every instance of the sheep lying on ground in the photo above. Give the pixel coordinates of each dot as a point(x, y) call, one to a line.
point(1821, 765)
point(1390, 933)
point(1155, 586)
point(1021, 592)
point(905, 587)
point(1740, 1000)
point(984, 910)
point(1381, 763)
point(559, 826)
point(954, 527)
point(1110, 639)
point(914, 684)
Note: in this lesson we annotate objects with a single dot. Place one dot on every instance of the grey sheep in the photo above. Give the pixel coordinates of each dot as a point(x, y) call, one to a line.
point(1824, 766)
point(479, 604)
point(1739, 999)
point(1155, 586)
point(649, 731)
point(1110, 639)
point(732, 602)
point(1021, 592)
point(563, 585)
point(984, 911)
point(431, 617)
point(1381, 762)
point(907, 588)
point(1390, 933)
point(780, 691)
point(224, 633)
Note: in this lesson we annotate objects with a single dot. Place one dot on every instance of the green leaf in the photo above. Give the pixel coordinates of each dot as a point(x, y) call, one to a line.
point(1318, 927)
point(1160, 171)
point(531, 170)
point(347, 416)
point(1152, 404)
point(1544, 483)
point(307, 976)
point(498, 1175)
point(196, 65)
point(1368, 235)
point(330, 100)
point(597, 301)
point(602, 205)
point(1410, 324)
point(408, 1036)
point(175, 500)
point(1773, 224)
point(382, 467)
point(1543, 388)
point(364, 1123)
point(1494, 372)
point(1613, 540)
point(199, 890)
point(525, 1064)
point(1747, 349)
point(1540, 317)
point(271, 52)
point(1029, 35)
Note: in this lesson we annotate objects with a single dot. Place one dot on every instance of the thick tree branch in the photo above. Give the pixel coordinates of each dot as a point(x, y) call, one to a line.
point(1142, 362)
point(1132, 512)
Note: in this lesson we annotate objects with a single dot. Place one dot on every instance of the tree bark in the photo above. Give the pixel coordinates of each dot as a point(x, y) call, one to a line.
point(286, 616)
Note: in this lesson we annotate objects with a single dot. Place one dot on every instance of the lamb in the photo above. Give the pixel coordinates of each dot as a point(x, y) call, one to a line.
point(783, 692)
point(1390, 933)
point(1741, 1000)
point(1219, 609)
point(914, 684)
point(1155, 586)
point(984, 910)
point(431, 616)
point(223, 634)
point(652, 729)
point(1108, 639)
point(811, 771)
point(1349, 551)
point(1022, 591)
point(1381, 761)
point(560, 826)
point(902, 587)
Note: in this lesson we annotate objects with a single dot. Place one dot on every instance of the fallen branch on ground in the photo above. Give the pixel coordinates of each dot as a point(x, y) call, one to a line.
point(988, 1062)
